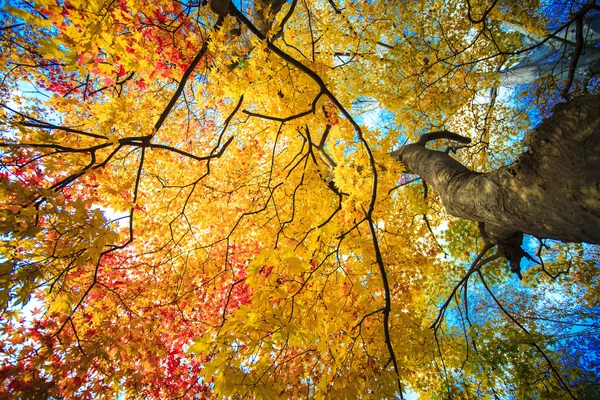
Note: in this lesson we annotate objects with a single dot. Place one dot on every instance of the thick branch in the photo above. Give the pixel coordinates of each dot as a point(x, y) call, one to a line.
point(550, 192)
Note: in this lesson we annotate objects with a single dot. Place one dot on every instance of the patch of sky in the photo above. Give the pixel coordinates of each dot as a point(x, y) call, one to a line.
point(369, 113)
point(574, 335)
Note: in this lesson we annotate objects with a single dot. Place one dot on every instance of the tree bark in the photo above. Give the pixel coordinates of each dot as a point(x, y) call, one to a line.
point(551, 191)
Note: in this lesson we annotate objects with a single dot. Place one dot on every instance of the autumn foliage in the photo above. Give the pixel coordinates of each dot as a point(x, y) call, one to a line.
point(193, 207)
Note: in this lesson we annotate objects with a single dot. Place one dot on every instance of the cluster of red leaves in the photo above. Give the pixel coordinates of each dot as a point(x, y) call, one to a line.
point(162, 31)
point(19, 169)
point(110, 334)
point(56, 80)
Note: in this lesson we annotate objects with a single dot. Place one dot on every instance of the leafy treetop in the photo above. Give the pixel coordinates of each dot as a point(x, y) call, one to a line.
point(196, 204)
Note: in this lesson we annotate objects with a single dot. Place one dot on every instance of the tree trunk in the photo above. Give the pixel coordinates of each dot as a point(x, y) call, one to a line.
point(551, 191)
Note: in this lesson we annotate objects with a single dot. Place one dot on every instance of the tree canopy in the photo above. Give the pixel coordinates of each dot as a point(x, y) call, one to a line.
point(205, 199)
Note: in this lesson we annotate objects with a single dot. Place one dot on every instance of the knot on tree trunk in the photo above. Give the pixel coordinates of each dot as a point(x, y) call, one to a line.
point(509, 244)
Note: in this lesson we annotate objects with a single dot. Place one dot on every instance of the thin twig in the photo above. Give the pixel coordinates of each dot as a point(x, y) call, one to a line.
point(532, 343)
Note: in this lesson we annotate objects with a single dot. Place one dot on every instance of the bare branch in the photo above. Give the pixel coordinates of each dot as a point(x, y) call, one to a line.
point(46, 125)
point(532, 343)
point(163, 116)
point(291, 117)
point(475, 265)
point(428, 137)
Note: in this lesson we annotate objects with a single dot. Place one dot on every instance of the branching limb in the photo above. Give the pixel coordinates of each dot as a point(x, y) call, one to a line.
point(475, 266)
point(575, 58)
point(404, 183)
point(192, 156)
point(289, 118)
point(431, 136)
point(426, 220)
point(369, 213)
point(186, 75)
point(532, 343)
point(31, 122)
point(323, 154)
point(367, 316)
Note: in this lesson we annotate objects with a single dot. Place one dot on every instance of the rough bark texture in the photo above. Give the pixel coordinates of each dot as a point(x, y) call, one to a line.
point(551, 191)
